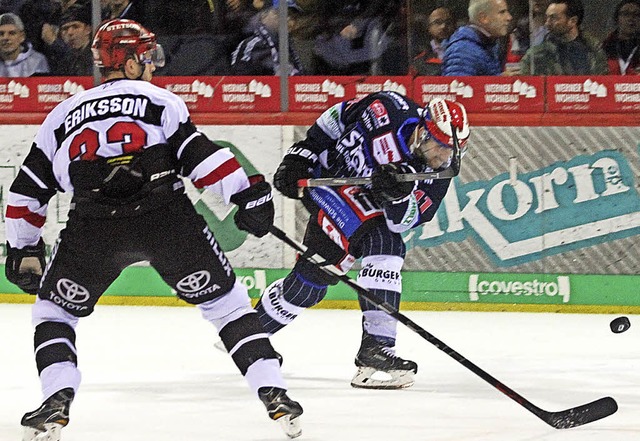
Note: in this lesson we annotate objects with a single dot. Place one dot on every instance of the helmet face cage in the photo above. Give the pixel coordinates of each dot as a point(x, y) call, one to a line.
point(118, 40)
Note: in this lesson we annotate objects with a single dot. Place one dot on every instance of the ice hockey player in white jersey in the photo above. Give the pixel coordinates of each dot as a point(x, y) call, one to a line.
point(380, 135)
point(121, 148)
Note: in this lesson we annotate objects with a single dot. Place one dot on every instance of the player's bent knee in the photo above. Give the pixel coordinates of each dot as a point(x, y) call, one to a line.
point(276, 307)
point(314, 274)
point(228, 307)
point(246, 341)
point(381, 272)
point(54, 342)
point(48, 311)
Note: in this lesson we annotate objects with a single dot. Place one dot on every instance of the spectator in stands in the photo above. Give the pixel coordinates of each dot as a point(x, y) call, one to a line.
point(129, 9)
point(42, 27)
point(622, 46)
point(258, 54)
point(41, 20)
point(241, 15)
point(17, 57)
point(75, 31)
point(566, 50)
point(524, 35)
point(474, 49)
point(440, 26)
point(353, 35)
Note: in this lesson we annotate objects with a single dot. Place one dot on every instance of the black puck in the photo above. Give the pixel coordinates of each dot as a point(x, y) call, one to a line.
point(619, 325)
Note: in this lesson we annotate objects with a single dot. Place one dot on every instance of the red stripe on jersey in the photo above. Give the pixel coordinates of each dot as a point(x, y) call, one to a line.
point(424, 205)
point(34, 219)
point(221, 172)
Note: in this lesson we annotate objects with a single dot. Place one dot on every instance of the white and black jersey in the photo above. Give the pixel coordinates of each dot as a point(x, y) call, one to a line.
point(115, 118)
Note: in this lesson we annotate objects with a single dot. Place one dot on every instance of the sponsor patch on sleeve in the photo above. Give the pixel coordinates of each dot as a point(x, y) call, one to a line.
point(379, 114)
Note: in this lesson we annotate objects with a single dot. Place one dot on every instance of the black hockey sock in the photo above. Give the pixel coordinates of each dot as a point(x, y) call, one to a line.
point(54, 342)
point(246, 342)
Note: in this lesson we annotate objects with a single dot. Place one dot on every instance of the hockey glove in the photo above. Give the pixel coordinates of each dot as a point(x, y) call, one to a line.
point(24, 266)
point(386, 188)
point(256, 211)
point(289, 172)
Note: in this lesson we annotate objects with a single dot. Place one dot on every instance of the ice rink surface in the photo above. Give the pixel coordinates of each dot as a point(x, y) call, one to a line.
point(153, 374)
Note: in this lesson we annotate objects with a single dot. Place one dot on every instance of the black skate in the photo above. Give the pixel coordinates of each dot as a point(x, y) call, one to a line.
point(380, 368)
point(45, 423)
point(283, 409)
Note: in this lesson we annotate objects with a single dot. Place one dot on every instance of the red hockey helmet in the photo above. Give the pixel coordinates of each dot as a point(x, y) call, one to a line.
point(446, 125)
point(120, 39)
point(442, 117)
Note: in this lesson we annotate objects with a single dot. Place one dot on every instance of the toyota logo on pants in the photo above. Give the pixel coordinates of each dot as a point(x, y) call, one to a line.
point(72, 291)
point(194, 282)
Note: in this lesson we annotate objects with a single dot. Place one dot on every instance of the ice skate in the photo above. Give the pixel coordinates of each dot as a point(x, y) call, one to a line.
point(46, 422)
point(380, 368)
point(282, 409)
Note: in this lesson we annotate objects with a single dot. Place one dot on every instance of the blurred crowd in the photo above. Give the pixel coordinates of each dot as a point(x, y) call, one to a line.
point(338, 37)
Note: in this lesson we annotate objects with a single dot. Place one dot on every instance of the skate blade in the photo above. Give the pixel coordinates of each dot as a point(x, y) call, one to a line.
point(291, 425)
point(51, 433)
point(371, 378)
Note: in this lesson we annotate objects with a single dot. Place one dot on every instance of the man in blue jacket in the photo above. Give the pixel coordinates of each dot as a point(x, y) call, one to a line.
point(473, 49)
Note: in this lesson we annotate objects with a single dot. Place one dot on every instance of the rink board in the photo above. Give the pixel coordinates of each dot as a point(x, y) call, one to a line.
point(421, 291)
point(537, 216)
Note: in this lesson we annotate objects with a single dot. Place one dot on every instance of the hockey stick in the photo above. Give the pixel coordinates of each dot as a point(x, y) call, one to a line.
point(564, 419)
point(404, 177)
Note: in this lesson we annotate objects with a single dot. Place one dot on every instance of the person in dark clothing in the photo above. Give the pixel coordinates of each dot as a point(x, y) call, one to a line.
point(75, 31)
point(41, 25)
point(380, 135)
point(440, 26)
point(259, 53)
point(566, 50)
point(622, 46)
point(354, 35)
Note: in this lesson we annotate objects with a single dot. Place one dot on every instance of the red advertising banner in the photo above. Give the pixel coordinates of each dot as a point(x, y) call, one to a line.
point(225, 94)
point(39, 94)
point(228, 94)
point(484, 94)
point(317, 93)
point(611, 93)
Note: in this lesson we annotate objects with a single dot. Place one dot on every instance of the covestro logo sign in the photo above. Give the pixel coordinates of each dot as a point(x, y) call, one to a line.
point(510, 288)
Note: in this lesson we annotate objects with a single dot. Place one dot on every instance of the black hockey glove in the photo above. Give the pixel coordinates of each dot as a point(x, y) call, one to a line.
point(24, 266)
point(289, 172)
point(256, 211)
point(385, 187)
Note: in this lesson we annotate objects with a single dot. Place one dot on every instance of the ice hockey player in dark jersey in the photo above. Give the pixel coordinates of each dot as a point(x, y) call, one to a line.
point(378, 136)
point(122, 148)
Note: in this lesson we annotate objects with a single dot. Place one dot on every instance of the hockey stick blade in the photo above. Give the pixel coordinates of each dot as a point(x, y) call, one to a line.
point(565, 419)
point(577, 416)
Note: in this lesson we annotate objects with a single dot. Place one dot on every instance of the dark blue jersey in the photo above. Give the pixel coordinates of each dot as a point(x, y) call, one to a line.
point(355, 137)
